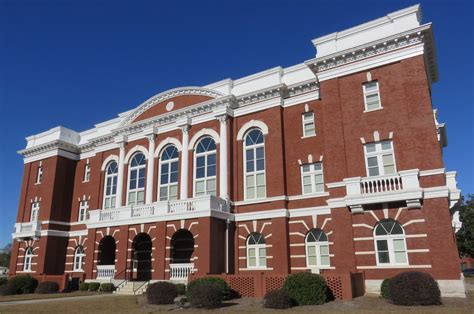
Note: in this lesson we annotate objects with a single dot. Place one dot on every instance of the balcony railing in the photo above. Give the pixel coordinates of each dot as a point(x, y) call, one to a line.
point(401, 186)
point(180, 271)
point(195, 205)
point(27, 229)
point(105, 271)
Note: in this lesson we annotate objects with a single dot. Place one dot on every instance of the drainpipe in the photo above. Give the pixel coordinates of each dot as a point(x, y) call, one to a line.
point(227, 221)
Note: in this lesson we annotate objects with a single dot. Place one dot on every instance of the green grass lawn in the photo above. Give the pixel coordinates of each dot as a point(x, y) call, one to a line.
point(34, 296)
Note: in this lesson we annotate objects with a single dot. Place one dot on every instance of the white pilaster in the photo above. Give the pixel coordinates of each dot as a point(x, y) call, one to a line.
point(183, 182)
point(223, 160)
point(121, 165)
point(150, 134)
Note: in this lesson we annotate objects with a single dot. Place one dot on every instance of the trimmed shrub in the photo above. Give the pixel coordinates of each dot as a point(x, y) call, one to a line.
point(384, 289)
point(277, 299)
point(414, 288)
point(306, 288)
point(223, 286)
point(47, 287)
point(161, 293)
point(206, 295)
point(6, 290)
point(3, 281)
point(94, 286)
point(107, 287)
point(22, 284)
point(84, 286)
point(181, 288)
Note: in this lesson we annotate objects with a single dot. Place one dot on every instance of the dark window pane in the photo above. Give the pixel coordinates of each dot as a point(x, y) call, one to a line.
point(260, 153)
point(174, 166)
point(211, 171)
point(141, 182)
point(200, 172)
point(211, 159)
point(382, 245)
point(383, 257)
point(249, 154)
point(164, 169)
point(260, 164)
point(200, 161)
point(249, 166)
point(174, 177)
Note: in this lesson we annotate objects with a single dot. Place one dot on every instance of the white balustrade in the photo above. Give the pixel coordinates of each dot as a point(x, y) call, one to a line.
point(143, 211)
point(381, 184)
point(180, 271)
point(182, 206)
point(27, 229)
point(105, 271)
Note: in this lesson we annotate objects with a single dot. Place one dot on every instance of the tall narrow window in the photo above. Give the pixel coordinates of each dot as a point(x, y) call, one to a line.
point(309, 128)
point(256, 251)
point(39, 175)
point(136, 180)
point(371, 96)
point(87, 172)
point(83, 207)
point(110, 191)
point(379, 158)
point(390, 243)
point(168, 188)
point(254, 165)
point(317, 249)
point(35, 207)
point(312, 178)
point(78, 258)
point(28, 259)
point(205, 167)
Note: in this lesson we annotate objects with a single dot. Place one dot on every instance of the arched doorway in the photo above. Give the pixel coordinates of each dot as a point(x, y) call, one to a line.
point(141, 255)
point(107, 251)
point(182, 246)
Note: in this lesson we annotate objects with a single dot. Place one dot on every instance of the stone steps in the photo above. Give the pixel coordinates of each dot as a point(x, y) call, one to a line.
point(127, 288)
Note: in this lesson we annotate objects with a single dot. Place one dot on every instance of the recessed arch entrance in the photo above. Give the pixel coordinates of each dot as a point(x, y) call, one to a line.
point(182, 247)
point(141, 256)
point(107, 249)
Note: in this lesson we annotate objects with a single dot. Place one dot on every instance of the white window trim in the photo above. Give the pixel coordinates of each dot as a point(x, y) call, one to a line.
point(318, 245)
point(28, 261)
point(83, 207)
point(303, 123)
point(80, 257)
point(391, 251)
point(105, 185)
point(372, 93)
point(255, 172)
point(137, 190)
point(87, 173)
point(39, 175)
point(206, 178)
point(35, 208)
point(257, 248)
point(379, 154)
point(311, 173)
point(168, 185)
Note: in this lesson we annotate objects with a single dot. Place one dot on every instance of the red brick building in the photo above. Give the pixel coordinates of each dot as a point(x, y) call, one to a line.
point(333, 166)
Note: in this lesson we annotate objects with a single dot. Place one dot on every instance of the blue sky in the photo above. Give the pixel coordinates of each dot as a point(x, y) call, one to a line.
point(77, 63)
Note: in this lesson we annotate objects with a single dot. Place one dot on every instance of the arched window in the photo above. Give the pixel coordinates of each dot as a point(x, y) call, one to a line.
point(168, 187)
point(390, 243)
point(79, 258)
point(205, 167)
point(136, 180)
point(28, 259)
point(317, 249)
point(254, 165)
point(256, 251)
point(110, 191)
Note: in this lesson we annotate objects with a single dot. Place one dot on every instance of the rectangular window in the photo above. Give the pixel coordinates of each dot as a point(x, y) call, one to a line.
point(34, 211)
point(379, 158)
point(371, 96)
point(255, 186)
point(87, 173)
point(309, 128)
point(39, 175)
point(312, 178)
point(83, 207)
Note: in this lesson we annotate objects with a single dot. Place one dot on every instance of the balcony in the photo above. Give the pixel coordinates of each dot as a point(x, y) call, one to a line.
point(202, 206)
point(25, 230)
point(402, 186)
point(105, 271)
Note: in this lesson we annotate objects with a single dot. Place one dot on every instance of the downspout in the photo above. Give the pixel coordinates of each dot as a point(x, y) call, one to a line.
point(227, 221)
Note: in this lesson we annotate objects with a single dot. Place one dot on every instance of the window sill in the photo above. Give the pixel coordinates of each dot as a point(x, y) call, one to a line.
point(306, 196)
point(37, 183)
point(370, 110)
point(85, 181)
point(260, 200)
point(257, 268)
point(308, 136)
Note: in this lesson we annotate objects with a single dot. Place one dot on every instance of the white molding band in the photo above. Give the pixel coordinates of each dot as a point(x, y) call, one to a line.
point(201, 133)
point(135, 149)
point(107, 160)
point(252, 124)
point(166, 142)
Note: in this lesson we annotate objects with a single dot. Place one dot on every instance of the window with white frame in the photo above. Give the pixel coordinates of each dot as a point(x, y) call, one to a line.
point(205, 167)
point(168, 187)
point(312, 178)
point(83, 207)
point(390, 244)
point(110, 191)
point(317, 249)
point(39, 175)
point(136, 180)
point(254, 165)
point(28, 259)
point(379, 158)
point(79, 258)
point(309, 128)
point(371, 96)
point(256, 251)
point(35, 207)
point(87, 172)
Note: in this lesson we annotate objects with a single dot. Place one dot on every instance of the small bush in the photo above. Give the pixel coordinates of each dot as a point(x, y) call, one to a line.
point(3, 281)
point(161, 293)
point(384, 289)
point(414, 288)
point(223, 286)
point(181, 288)
point(306, 288)
point(22, 284)
point(107, 287)
point(47, 287)
point(84, 286)
point(206, 295)
point(94, 286)
point(277, 299)
point(6, 290)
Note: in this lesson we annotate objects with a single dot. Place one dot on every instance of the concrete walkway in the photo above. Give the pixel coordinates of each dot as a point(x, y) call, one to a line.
point(84, 297)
